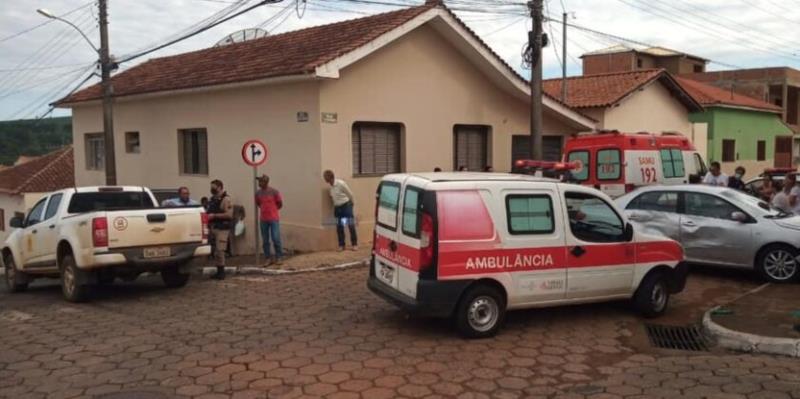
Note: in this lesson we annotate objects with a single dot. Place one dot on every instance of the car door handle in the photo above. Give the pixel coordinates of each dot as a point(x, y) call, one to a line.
point(393, 246)
point(577, 251)
point(52, 226)
point(689, 223)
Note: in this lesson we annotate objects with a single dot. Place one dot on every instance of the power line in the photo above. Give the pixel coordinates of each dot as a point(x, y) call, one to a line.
point(20, 33)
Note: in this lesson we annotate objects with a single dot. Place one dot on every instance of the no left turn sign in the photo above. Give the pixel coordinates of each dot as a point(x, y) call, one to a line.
point(255, 153)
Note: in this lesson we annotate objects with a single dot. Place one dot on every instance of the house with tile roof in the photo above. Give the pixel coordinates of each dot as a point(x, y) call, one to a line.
point(648, 100)
point(741, 130)
point(402, 91)
point(24, 184)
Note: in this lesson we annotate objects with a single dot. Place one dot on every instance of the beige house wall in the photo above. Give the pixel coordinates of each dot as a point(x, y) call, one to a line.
point(231, 116)
point(652, 109)
point(10, 203)
point(424, 83)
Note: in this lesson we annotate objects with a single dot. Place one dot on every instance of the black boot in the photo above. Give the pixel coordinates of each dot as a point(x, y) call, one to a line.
point(220, 275)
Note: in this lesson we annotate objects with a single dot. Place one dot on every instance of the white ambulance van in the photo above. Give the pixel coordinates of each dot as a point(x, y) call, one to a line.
point(472, 245)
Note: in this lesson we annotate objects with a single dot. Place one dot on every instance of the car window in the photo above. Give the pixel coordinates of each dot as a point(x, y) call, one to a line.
point(388, 198)
point(529, 214)
point(660, 201)
point(709, 206)
point(700, 166)
point(35, 215)
point(592, 219)
point(608, 164)
point(411, 212)
point(109, 201)
point(582, 157)
point(52, 206)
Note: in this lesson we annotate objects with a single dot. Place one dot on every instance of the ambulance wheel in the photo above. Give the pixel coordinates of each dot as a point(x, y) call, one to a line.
point(480, 312)
point(652, 297)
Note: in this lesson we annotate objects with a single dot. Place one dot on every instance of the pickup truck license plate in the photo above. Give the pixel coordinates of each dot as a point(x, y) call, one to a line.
point(386, 273)
point(157, 252)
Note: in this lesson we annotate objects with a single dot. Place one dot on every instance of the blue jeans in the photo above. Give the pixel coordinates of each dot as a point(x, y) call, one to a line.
point(344, 216)
point(271, 230)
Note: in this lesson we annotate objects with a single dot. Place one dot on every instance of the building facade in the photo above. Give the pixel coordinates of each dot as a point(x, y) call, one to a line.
point(421, 91)
point(622, 58)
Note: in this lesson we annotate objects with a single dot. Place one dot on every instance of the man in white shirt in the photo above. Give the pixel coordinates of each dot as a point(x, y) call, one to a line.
point(343, 201)
point(715, 177)
point(786, 199)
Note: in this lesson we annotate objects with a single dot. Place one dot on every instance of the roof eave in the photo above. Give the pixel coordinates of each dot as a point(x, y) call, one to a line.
point(744, 107)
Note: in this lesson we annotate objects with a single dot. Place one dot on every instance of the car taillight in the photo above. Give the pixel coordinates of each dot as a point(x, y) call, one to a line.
point(100, 232)
point(426, 241)
point(204, 223)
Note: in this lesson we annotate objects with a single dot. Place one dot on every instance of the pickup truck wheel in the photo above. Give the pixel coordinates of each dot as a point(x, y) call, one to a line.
point(71, 287)
point(173, 278)
point(480, 312)
point(652, 297)
point(16, 281)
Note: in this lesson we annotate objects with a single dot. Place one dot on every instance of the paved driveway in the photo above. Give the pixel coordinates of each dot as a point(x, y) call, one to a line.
point(324, 334)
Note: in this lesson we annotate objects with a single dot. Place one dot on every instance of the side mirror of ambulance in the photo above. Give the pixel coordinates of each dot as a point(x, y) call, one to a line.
point(739, 217)
point(628, 232)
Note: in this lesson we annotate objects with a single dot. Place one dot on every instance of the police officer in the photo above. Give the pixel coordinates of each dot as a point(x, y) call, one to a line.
point(220, 219)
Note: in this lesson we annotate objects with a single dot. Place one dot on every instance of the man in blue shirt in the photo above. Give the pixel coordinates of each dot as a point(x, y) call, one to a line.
point(183, 199)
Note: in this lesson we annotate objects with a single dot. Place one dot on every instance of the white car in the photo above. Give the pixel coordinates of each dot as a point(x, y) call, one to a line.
point(471, 245)
point(95, 234)
point(720, 226)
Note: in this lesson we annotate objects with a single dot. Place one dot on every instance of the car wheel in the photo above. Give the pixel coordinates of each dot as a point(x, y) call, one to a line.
point(778, 264)
point(16, 281)
point(71, 279)
point(173, 278)
point(652, 296)
point(480, 313)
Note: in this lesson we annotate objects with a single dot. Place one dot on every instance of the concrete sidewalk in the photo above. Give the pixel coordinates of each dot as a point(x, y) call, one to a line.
point(764, 320)
point(299, 263)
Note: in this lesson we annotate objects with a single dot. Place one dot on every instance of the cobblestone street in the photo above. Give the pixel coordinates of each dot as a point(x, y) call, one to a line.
point(324, 335)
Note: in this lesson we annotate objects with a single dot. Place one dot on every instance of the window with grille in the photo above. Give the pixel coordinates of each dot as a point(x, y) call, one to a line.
point(95, 151)
point(376, 148)
point(471, 147)
point(193, 151)
point(728, 150)
point(521, 147)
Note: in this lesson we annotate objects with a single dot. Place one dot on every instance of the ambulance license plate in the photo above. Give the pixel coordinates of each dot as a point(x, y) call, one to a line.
point(157, 252)
point(386, 274)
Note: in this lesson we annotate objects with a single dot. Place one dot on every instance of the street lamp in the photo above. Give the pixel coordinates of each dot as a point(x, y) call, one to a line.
point(105, 74)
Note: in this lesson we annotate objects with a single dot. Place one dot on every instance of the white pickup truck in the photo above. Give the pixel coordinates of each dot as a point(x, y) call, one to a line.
point(92, 235)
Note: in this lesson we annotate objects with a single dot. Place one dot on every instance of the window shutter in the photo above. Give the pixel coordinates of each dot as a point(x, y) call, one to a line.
point(471, 147)
point(202, 151)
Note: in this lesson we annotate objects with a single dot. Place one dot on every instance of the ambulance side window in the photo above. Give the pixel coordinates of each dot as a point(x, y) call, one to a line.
point(672, 163)
point(388, 199)
point(411, 212)
point(608, 164)
point(529, 214)
point(592, 219)
point(581, 157)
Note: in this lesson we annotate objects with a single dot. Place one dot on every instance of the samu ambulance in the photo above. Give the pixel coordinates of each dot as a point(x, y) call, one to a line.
point(472, 245)
point(617, 163)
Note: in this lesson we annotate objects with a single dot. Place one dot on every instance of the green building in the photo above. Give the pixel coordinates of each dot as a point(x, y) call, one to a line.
point(740, 130)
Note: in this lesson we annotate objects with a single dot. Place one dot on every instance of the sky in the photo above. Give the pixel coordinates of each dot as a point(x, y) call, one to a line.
point(41, 59)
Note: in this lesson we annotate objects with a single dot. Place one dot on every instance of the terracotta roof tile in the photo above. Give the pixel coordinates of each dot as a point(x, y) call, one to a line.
point(292, 53)
point(46, 173)
point(601, 90)
point(709, 95)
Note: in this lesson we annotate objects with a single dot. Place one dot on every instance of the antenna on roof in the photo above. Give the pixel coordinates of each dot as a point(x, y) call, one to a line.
point(242, 36)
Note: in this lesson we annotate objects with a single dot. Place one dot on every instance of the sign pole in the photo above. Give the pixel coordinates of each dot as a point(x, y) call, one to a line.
point(256, 216)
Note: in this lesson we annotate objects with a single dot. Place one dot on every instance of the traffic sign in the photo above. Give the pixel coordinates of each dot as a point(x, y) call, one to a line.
point(255, 153)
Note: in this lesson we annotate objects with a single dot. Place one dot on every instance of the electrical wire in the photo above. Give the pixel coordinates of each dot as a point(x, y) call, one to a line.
point(22, 32)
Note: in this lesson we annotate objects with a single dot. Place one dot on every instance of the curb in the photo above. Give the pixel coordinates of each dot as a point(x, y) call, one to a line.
point(751, 343)
point(261, 271)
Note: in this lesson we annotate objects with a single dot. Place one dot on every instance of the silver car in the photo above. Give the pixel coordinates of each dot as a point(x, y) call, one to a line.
point(719, 226)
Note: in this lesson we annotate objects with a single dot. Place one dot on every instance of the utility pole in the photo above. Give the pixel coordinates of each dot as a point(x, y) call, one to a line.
point(564, 57)
point(535, 43)
point(108, 113)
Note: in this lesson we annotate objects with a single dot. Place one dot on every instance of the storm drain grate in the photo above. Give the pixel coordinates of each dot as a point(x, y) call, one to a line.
point(687, 338)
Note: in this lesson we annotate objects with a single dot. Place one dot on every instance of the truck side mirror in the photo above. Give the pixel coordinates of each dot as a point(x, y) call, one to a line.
point(628, 232)
point(17, 222)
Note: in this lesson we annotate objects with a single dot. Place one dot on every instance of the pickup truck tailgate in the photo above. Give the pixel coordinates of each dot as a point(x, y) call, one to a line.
point(154, 227)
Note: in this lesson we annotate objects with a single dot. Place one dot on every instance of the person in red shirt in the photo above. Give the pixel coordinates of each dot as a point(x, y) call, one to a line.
point(269, 203)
